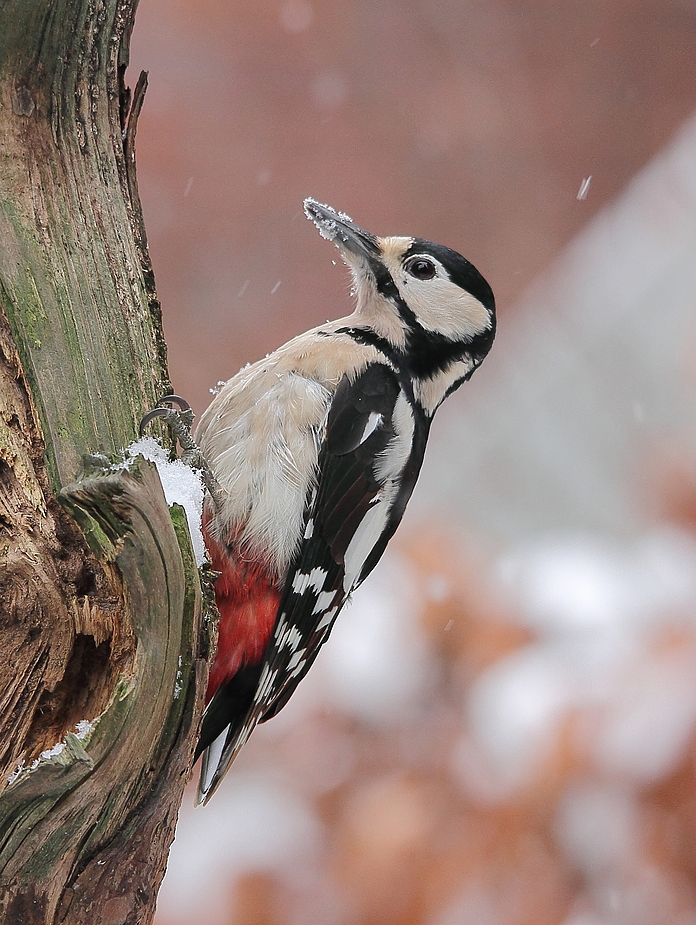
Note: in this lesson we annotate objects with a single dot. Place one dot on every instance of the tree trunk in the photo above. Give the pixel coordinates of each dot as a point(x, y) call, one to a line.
point(101, 601)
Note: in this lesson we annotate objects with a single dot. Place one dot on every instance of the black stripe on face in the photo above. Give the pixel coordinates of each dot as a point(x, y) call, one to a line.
point(385, 284)
point(428, 353)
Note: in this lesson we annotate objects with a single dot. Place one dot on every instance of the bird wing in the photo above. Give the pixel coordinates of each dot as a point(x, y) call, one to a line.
point(367, 443)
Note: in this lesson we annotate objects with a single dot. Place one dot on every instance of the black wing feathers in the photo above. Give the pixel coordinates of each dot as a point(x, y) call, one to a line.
point(347, 483)
point(229, 706)
point(347, 487)
point(374, 391)
point(359, 428)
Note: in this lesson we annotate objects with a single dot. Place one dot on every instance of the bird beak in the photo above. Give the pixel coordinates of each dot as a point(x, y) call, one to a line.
point(342, 230)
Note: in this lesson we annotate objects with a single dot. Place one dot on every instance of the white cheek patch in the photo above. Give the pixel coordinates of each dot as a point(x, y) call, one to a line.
point(440, 305)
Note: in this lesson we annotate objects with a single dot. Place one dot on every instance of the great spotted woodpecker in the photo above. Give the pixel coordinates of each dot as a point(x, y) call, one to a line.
point(316, 450)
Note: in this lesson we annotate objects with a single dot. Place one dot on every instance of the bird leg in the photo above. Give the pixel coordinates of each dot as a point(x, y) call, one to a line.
point(180, 423)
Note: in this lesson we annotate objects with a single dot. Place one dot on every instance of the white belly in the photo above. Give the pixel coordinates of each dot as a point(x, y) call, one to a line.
point(260, 436)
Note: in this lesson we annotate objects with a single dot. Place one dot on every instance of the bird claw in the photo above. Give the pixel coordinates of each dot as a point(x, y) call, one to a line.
point(180, 423)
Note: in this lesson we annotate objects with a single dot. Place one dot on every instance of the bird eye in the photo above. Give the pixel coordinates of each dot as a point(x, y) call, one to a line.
point(421, 268)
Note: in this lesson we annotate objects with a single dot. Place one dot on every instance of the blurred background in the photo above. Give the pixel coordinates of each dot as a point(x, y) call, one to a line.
point(502, 727)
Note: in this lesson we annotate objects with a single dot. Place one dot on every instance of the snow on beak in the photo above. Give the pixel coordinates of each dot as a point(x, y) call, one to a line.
point(342, 230)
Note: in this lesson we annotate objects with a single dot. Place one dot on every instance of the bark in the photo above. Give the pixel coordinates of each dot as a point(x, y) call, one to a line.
point(102, 609)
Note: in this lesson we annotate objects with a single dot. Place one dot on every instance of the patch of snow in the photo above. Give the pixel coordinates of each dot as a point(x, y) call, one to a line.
point(584, 188)
point(82, 730)
point(17, 771)
point(326, 225)
point(218, 385)
point(84, 727)
point(49, 753)
point(182, 485)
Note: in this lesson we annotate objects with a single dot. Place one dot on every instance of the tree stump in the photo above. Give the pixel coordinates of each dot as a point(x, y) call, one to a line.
point(104, 644)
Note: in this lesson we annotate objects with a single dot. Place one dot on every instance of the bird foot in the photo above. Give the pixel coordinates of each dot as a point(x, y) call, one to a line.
point(180, 423)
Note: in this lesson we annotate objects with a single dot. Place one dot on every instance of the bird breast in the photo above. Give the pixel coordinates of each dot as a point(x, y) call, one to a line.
point(260, 436)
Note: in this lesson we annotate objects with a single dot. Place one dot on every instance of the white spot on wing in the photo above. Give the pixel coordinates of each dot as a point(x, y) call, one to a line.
point(314, 579)
point(268, 676)
point(289, 638)
point(364, 540)
point(309, 529)
point(296, 659)
point(323, 601)
point(373, 422)
point(211, 760)
point(327, 618)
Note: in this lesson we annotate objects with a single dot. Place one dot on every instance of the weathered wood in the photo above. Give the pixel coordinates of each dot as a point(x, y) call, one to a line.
point(102, 622)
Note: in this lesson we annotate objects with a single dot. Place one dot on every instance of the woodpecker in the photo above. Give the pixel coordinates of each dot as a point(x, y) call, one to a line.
point(316, 450)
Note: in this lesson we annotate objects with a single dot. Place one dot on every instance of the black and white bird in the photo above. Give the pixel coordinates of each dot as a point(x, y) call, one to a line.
point(316, 450)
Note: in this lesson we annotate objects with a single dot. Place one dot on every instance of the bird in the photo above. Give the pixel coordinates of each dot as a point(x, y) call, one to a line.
point(315, 451)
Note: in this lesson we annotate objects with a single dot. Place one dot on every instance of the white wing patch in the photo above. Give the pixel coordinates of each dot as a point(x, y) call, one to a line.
point(290, 638)
point(324, 598)
point(211, 759)
point(388, 468)
point(392, 461)
point(373, 422)
point(314, 579)
point(364, 540)
point(326, 619)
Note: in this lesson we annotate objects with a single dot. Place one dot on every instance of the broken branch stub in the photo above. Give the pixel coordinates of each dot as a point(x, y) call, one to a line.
point(103, 642)
point(69, 810)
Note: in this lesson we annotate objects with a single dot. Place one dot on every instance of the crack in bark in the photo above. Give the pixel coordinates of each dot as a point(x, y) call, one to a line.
point(52, 589)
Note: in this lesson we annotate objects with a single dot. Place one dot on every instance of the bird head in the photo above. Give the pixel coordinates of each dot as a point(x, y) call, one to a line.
point(427, 301)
